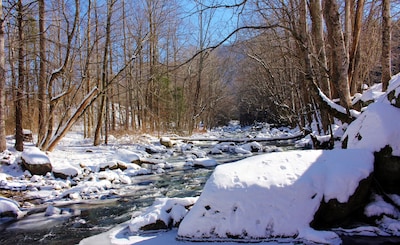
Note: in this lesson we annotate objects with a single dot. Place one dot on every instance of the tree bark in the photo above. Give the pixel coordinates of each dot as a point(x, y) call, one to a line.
point(339, 76)
point(386, 38)
point(320, 50)
point(55, 75)
point(19, 137)
point(104, 75)
point(74, 117)
point(42, 75)
point(354, 52)
point(3, 145)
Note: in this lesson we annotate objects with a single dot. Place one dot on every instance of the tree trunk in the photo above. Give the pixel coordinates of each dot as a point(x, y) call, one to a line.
point(386, 38)
point(321, 63)
point(42, 75)
point(354, 52)
point(104, 75)
point(74, 117)
point(19, 137)
point(339, 76)
point(56, 74)
point(3, 145)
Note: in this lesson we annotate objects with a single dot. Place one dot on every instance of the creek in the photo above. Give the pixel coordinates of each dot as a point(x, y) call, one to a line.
point(91, 217)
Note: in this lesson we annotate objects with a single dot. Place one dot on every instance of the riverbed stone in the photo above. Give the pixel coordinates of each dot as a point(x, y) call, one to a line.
point(36, 161)
point(167, 142)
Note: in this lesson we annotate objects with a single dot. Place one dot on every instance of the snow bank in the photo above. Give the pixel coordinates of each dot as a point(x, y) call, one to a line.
point(273, 195)
point(377, 127)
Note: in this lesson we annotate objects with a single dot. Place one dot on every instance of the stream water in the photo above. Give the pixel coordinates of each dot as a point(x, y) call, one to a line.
point(92, 217)
point(96, 216)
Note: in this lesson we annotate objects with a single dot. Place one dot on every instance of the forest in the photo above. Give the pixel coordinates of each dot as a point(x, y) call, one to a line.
point(157, 66)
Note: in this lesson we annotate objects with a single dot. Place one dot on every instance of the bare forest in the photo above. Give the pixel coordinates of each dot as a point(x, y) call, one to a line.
point(158, 66)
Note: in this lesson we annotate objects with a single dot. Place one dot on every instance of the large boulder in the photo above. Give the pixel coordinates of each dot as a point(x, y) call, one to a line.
point(377, 130)
point(279, 195)
point(36, 161)
point(387, 170)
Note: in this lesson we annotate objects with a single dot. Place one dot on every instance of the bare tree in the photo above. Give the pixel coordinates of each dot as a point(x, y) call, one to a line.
point(386, 47)
point(42, 74)
point(19, 137)
point(339, 75)
point(104, 74)
point(3, 145)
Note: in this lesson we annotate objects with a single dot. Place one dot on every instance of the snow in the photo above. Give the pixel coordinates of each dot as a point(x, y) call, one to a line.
point(370, 95)
point(379, 207)
point(34, 155)
point(337, 107)
point(11, 207)
point(260, 197)
point(376, 127)
point(202, 162)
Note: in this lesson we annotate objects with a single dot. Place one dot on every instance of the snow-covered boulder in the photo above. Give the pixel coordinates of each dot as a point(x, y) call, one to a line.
point(9, 208)
point(167, 142)
point(65, 170)
point(125, 155)
point(377, 129)
point(252, 147)
point(163, 214)
point(274, 195)
point(36, 161)
point(205, 162)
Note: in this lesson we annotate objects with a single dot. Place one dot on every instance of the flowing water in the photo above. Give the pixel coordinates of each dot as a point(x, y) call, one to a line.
point(99, 216)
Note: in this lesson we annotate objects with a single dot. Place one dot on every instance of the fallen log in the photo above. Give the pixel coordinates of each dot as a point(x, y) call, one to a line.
point(242, 140)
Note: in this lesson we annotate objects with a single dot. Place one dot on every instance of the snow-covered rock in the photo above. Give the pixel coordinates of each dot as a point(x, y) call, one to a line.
point(204, 162)
point(274, 194)
point(65, 170)
point(9, 208)
point(377, 129)
point(167, 142)
point(164, 213)
point(36, 161)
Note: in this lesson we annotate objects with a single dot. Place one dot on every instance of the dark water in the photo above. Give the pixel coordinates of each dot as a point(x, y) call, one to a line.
point(99, 216)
